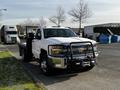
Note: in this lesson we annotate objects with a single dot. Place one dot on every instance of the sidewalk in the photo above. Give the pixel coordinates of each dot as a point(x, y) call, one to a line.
point(2, 47)
point(13, 50)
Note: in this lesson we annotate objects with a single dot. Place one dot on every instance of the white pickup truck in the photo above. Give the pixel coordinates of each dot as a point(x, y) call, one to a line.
point(59, 47)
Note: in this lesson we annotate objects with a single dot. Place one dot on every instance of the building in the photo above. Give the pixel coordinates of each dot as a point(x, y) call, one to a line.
point(22, 30)
point(94, 31)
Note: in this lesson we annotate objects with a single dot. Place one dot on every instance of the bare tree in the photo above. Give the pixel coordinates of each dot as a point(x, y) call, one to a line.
point(59, 18)
point(22, 26)
point(80, 13)
point(42, 22)
point(28, 22)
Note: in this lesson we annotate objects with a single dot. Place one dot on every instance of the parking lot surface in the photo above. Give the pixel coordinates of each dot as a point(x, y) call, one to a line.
point(104, 76)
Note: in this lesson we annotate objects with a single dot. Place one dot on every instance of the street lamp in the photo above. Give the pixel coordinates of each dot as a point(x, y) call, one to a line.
point(3, 9)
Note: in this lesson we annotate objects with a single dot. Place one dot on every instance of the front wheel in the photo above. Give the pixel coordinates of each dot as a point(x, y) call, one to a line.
point(45, 67)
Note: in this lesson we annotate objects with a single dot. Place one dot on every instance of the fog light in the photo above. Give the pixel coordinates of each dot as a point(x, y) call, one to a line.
point(92, 61)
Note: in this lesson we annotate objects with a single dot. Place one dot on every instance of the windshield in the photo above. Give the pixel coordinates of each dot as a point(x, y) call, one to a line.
point(11, 32)
point(58, 33)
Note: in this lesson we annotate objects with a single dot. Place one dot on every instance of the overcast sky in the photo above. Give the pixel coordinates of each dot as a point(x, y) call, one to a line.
point(103, 11)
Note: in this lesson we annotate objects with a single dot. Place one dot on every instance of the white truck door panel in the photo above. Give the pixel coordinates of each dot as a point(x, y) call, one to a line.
point(36, 44)
point(36, 48)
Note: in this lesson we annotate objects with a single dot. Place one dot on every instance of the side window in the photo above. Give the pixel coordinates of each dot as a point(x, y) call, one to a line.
point(38, 34)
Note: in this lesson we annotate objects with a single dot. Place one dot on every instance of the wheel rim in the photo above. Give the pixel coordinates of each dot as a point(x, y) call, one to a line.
point(44, 66)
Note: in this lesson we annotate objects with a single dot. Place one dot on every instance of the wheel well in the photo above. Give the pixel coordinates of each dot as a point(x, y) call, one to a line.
point(43, 52)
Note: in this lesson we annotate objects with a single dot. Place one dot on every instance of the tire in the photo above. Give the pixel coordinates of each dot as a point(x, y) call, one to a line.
point(2, 40)
point(44, 65)
point(5, 41)
point(20, 50)
point(24, 55)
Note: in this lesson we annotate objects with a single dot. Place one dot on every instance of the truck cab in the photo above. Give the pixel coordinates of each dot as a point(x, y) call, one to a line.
point(9, 34)
point(60, 47)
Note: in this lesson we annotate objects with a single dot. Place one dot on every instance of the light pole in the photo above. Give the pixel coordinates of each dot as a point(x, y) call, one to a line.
point(1, 13)
point(3, 9)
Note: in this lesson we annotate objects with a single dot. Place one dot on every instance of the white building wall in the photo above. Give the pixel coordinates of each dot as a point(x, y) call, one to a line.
point(88, 31)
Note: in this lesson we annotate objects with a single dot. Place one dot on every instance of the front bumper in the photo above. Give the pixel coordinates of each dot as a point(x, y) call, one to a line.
point(78, 54)
point(63, 63)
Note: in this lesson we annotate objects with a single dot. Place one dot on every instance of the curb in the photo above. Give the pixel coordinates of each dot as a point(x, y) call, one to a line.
point(37, 82)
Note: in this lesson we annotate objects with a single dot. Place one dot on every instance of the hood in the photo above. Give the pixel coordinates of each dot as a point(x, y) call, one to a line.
point(61, 40)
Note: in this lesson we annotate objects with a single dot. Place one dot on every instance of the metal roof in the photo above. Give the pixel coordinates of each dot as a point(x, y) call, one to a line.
point(106, 25)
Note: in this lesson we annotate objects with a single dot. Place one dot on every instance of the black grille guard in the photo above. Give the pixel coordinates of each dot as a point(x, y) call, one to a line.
point(87, 42)
point(69, 47)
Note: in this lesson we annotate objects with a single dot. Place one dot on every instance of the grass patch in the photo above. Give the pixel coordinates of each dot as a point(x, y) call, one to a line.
point(13, 75)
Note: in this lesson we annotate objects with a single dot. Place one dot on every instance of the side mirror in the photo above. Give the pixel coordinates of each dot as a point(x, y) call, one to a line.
point(38, 36)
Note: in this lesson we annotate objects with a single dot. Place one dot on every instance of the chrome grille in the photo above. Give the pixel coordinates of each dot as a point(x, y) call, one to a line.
point(82, 49)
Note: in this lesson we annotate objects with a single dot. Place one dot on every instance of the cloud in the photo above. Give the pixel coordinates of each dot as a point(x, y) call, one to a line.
point(103, 10)
point(34, 8)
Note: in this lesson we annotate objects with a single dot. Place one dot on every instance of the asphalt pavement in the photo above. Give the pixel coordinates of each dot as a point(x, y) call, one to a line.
point(104, 76)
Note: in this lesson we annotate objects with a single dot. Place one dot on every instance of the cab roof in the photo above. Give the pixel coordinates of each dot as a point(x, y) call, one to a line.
point(57, 27)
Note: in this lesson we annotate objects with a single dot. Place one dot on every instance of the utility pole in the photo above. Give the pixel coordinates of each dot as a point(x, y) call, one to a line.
point(1, 14)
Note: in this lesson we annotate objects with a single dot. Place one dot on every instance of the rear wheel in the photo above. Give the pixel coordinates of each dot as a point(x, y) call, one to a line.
point(24, 55)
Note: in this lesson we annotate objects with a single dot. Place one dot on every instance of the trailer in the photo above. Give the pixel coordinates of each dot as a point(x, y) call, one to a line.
point(94, 31)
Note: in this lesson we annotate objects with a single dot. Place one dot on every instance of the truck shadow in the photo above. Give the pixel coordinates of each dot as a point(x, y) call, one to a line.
point(57, 76)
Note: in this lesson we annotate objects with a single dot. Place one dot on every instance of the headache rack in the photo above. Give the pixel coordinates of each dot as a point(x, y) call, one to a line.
point(81, 49)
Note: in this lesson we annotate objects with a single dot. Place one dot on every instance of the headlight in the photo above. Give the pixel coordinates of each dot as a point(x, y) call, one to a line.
point(90, 50)
point(56, 50)
point(95, 48)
